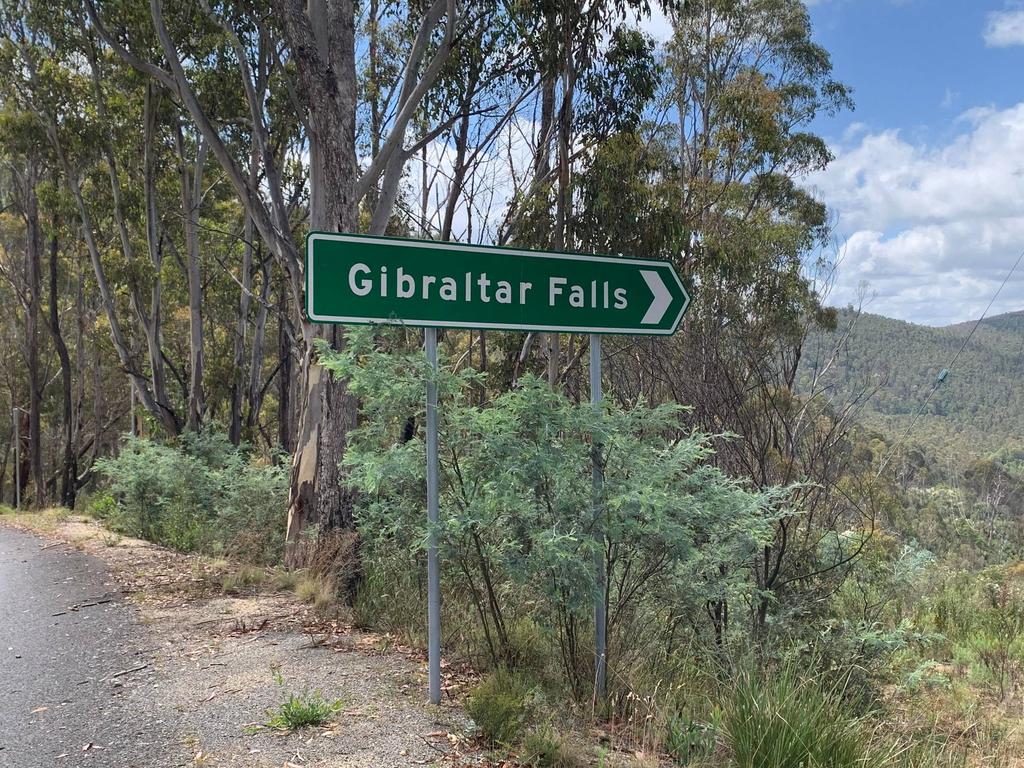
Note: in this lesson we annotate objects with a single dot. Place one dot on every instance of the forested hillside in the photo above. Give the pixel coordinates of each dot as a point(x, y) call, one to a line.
point(891, 366)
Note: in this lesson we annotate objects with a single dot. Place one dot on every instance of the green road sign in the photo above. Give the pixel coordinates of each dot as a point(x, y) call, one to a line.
point(360, 279)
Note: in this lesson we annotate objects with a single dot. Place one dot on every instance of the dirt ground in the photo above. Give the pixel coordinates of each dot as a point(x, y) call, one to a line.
point(220, 662)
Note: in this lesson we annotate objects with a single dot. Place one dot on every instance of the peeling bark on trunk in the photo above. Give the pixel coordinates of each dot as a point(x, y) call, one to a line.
point(330, 412)
point(327, 411)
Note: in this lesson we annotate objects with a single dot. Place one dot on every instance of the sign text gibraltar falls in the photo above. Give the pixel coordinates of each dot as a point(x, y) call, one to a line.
point(360, 279)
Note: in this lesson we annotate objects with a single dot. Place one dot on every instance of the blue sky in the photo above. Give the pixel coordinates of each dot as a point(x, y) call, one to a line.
point(927, 189)
point(915, 64)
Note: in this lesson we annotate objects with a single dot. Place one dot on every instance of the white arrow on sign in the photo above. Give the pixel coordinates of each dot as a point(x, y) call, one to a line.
point(662, 297)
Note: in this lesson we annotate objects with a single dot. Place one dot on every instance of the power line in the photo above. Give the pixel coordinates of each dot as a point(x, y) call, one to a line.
point(948, 369)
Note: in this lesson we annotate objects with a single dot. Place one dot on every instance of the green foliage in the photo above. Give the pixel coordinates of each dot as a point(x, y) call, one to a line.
point(301, 710)
point(501, 707)
point(102, 506)
point(686, 738)
point(518, 527)
point(199, 494)
point(983, 619)
point(779, 719)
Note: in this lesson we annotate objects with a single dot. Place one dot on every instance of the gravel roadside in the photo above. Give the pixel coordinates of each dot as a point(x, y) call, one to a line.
point(215, 665)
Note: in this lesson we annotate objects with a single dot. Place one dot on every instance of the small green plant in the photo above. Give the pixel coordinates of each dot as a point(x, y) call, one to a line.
point(686, 739)
point(500, 707)
point(103, 506)
point(301, 710)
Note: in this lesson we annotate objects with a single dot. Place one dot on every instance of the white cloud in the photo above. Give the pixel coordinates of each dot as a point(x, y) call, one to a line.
point(657, 24)
point(932, 229)
point(1005, 28)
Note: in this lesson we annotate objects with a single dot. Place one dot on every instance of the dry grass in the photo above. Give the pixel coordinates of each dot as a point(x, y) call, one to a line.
point(967, 724)
point(317, 591)
point(43, 521)
point(284, 580)
point(246, 579)
point(334, 556)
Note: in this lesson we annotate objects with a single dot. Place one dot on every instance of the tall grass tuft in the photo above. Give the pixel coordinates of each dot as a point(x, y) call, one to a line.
point(781, 719)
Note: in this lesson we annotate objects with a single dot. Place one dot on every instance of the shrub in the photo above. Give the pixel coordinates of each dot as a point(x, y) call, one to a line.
point(103, 506)
point(500, 707)
point(197, 494)
point(517, 531)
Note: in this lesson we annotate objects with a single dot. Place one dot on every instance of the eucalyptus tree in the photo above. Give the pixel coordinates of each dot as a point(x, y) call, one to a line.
point(297, 70)
point(129, 171)
point(21, 241)
point(747, 82)
point(63, 100)
point(712, 180)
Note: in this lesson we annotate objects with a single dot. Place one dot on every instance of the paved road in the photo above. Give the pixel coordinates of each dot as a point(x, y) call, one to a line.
point(62, 701)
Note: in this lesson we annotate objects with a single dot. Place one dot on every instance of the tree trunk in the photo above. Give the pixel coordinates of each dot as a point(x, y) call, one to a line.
point(24, 468)
point(563, 202)
point(156, 407)
point(191, 191)
point(242, 324)
point(157, 403)
point(69, 466)
point(80, 366)
point(255, 387)
point(35, 247)
point(326, 411)
point(285, 434)
point(3, 467)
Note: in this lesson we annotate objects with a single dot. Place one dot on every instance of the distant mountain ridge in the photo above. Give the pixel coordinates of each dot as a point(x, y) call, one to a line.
point(977, 410)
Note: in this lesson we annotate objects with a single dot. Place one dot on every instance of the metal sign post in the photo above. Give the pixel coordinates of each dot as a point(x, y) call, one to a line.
point(600, 581)
point(433, 567)
point(361, 279)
